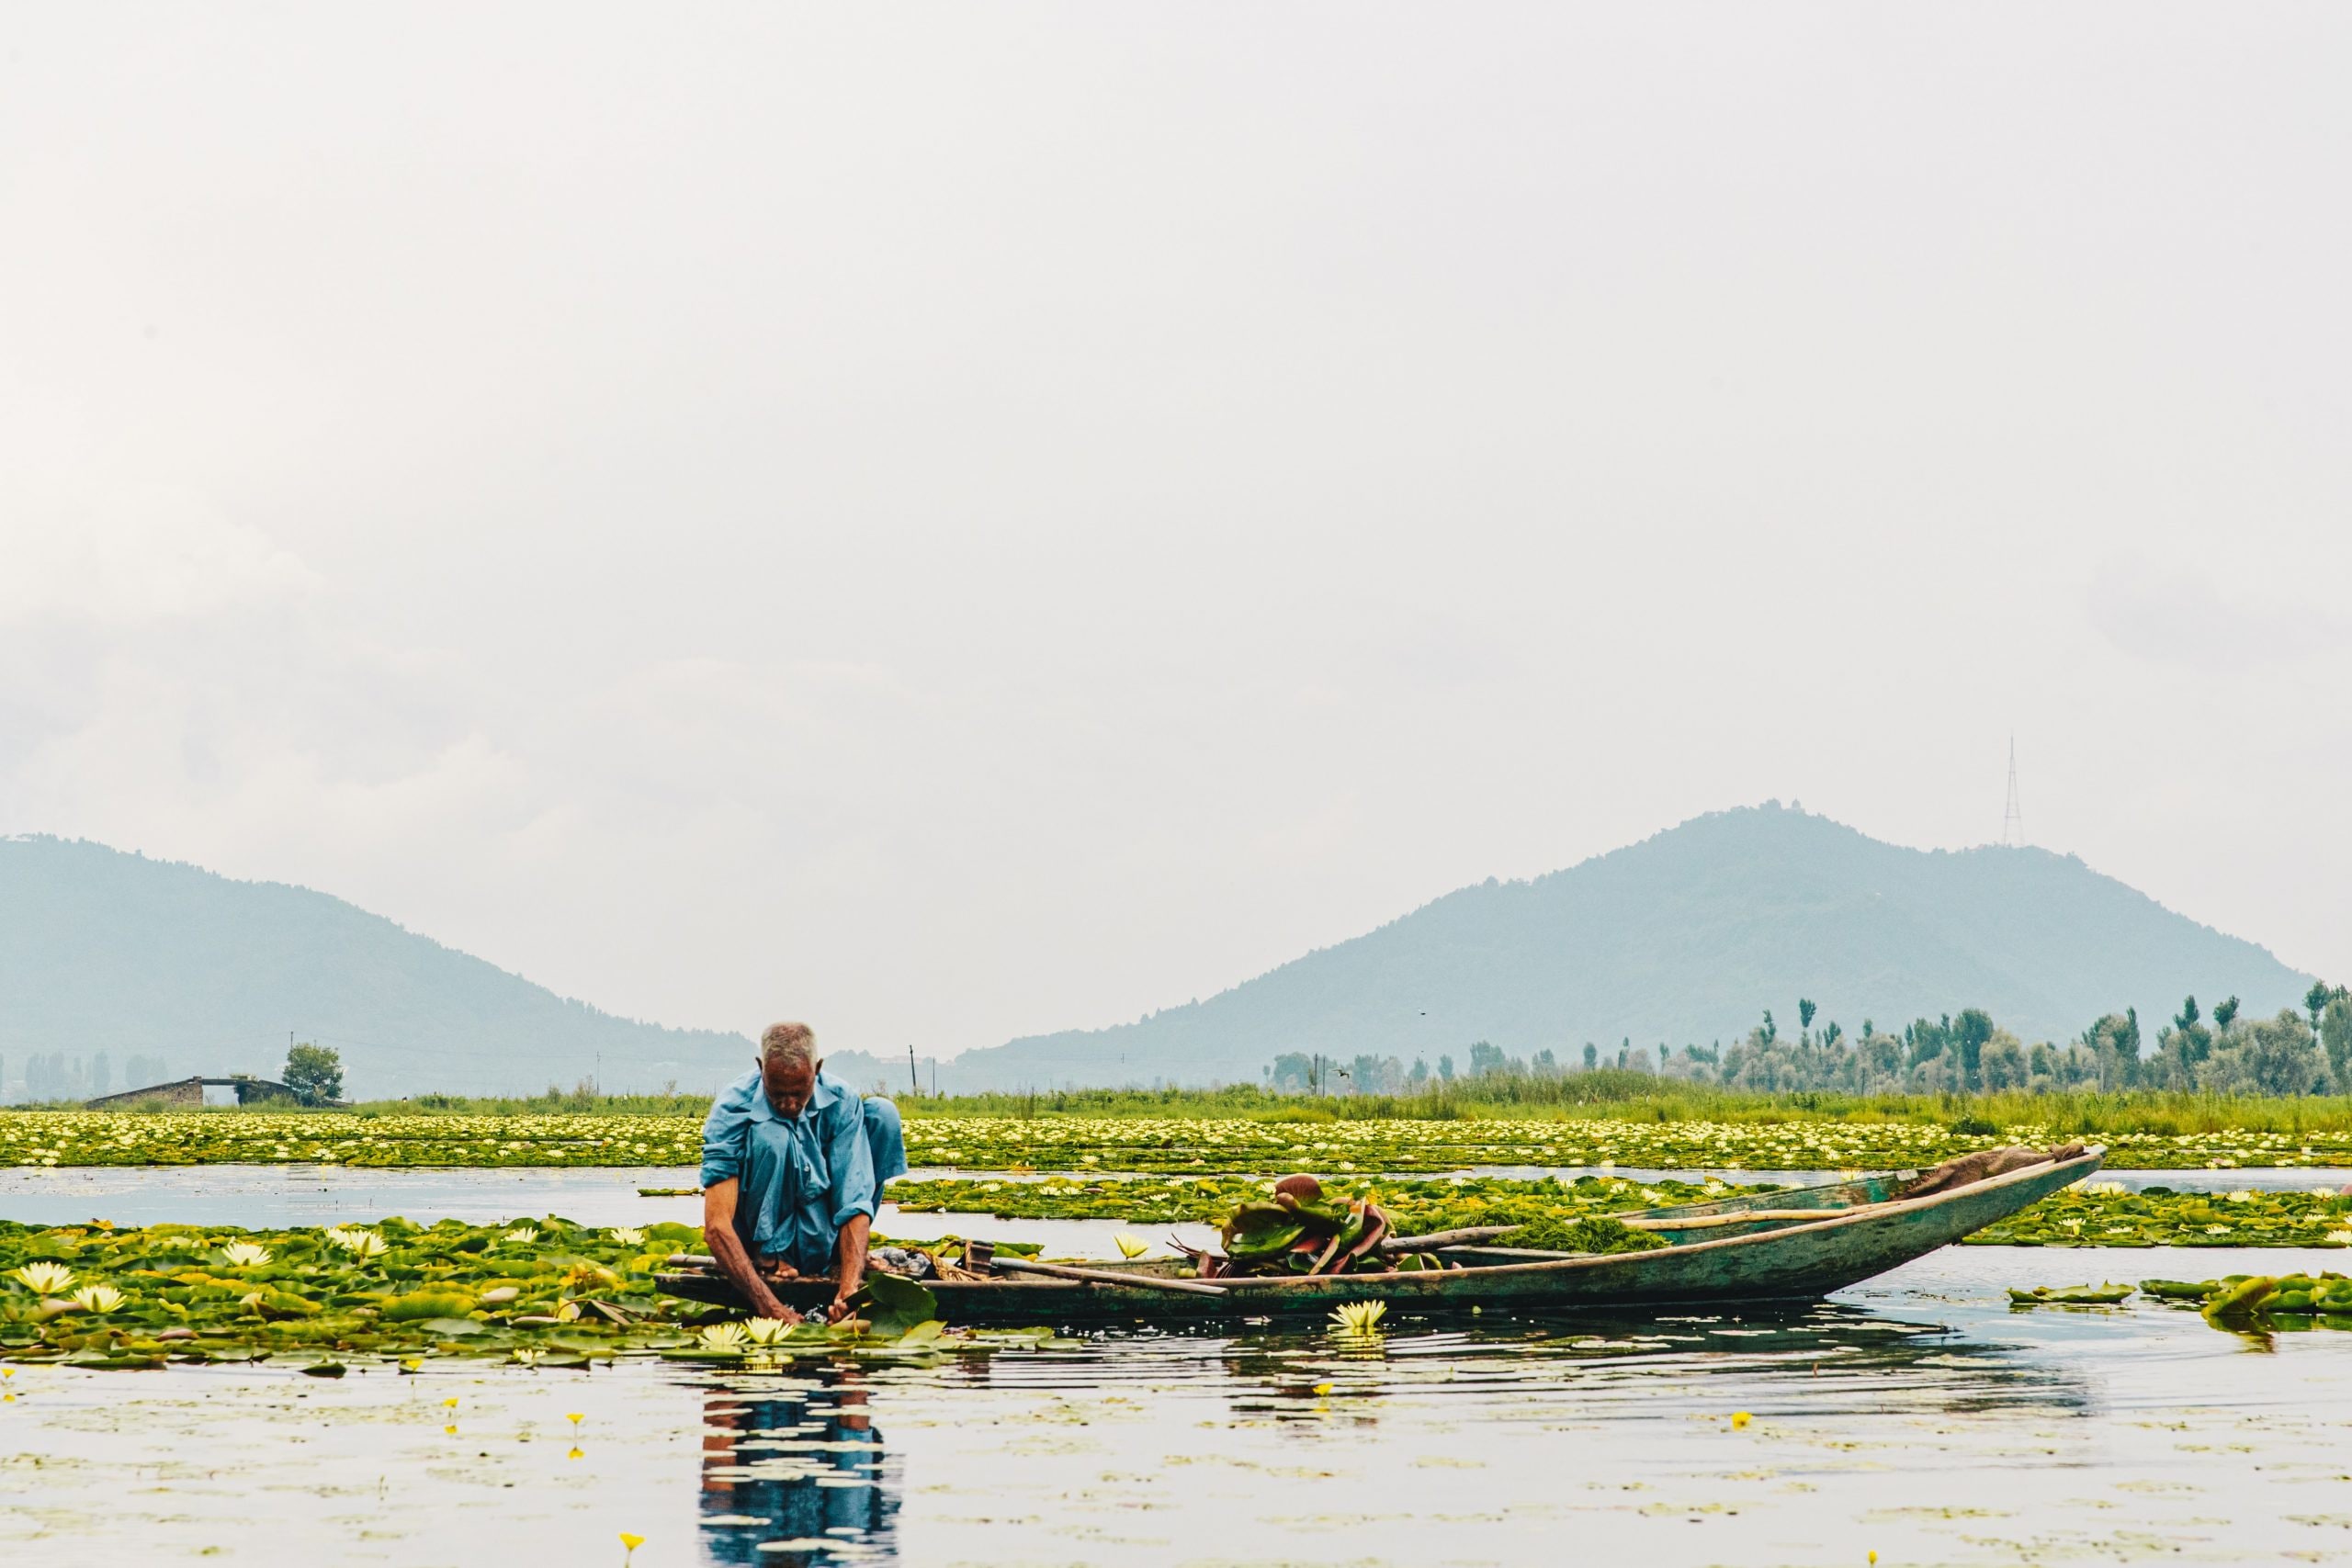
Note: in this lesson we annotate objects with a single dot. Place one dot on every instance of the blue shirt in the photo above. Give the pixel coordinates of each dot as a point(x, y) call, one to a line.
point(802, 1177)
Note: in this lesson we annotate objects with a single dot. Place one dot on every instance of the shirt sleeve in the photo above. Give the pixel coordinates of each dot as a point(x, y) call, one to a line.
point(852, 1161)
point(722, 1138)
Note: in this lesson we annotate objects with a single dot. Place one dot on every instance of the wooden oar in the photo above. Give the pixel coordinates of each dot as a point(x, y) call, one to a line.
point(1746, 1216)
point(1105, 1276)
point(1436, 1239)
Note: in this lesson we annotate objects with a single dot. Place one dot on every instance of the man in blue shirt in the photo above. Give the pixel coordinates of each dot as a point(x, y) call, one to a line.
point(793, 1164)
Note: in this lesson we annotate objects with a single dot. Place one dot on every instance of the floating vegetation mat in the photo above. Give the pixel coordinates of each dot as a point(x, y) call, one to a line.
point(2092, 1214)
point(242, 1138)
point(1112, 1144)
point(1415, 1206)
point(2241, 1303)
point(2101, 1214)
point(542, 1292)
point(1068, 1142)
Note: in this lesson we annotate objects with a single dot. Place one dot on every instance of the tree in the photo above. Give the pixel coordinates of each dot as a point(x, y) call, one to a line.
point(1484, 1059)
point(2315, 1002)
point(1592, 1055)
point(1771, 1029)
point(101, 1074)
point(2003, 1061)
point(2224, 1013)
point(1445, 1068)
point(1805, 1010)
point(1971, 1030)
point(2335, 1033)
point(1420, 1073)
point(2274, 1055)
point(314, 1073)
point(2113, 1043)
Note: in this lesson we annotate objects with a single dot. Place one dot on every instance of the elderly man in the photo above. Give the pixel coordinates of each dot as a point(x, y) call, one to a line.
point(793, 1164)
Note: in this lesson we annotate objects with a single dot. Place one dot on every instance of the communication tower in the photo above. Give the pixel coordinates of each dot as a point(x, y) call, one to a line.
point(2013, 819)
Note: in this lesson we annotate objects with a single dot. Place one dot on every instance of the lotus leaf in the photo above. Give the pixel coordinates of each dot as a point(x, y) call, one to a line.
point(892, 1304)
point(2071, 1295)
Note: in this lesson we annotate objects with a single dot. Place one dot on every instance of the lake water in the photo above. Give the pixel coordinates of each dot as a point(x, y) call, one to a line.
point(1916, 1416)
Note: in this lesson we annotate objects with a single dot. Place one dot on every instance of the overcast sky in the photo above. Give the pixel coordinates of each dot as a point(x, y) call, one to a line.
point(954, 522)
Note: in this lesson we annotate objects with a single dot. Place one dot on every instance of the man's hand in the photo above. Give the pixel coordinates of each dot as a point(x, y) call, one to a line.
point(850, 1274)
point(734, 1261)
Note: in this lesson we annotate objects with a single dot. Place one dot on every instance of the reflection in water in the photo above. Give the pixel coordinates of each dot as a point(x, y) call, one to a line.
point(1918, 1416)
point(790, 1465)
point(1829, 1357)
point(791, 1461)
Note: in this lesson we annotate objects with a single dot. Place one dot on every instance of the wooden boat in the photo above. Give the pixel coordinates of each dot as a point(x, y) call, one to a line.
point(1795, 1244)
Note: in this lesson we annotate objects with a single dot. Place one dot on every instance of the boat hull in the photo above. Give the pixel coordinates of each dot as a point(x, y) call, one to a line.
point(1773, 1261)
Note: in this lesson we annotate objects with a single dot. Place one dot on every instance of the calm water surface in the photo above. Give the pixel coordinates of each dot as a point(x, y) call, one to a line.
point(1915, 1416)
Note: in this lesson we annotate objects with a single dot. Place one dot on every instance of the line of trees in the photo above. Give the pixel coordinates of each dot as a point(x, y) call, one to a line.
point(56, 1076)
point(2292, 1053)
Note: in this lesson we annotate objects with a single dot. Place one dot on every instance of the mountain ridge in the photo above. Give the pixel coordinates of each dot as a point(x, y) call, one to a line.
point(1683, 938)
point(106, 949)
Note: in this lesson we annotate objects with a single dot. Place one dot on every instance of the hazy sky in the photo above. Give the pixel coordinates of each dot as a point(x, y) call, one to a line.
point(954, 522)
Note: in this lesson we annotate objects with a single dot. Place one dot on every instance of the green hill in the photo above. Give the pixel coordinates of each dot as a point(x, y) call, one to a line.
point(102, 951)
point(1683, 939)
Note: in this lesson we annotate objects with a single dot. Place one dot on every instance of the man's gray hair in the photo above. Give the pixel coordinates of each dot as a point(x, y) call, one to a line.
point(789, 1045)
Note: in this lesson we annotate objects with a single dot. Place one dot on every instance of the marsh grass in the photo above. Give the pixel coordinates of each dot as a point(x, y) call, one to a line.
point(1616, 1094)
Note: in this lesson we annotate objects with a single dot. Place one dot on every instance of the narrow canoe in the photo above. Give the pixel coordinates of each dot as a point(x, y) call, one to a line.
point(1718, 1257)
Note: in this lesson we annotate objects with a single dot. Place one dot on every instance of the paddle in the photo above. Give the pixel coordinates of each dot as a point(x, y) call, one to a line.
point(1105, 1276)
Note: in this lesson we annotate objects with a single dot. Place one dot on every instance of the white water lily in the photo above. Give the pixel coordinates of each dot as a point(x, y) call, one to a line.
point(1359, 1318)
point(46, 1278)
point(1131, 1246)
point(2105, 1189)
point(2342, 1238)
point(2328, 1192)
point(358, 1242)
point(628, 1236)
point(2244, 1195)
point(724, 1337)
point(524, 1233)
point(244, 1255)
point(765, 1330)
point(97, 1298)
point(526, 1358)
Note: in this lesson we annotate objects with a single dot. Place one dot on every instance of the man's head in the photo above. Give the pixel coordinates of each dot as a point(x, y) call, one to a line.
point(788, 1064)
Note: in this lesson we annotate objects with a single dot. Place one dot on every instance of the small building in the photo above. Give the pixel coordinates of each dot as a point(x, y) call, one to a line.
point(187, 1094)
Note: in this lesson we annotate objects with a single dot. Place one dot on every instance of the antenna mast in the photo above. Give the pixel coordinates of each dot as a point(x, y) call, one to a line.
point(2013, 819)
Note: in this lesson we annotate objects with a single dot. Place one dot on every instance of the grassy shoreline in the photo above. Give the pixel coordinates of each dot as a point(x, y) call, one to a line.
point(1139, 1145)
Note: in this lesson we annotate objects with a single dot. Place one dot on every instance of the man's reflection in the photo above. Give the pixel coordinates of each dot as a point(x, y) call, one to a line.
point(774, 1469)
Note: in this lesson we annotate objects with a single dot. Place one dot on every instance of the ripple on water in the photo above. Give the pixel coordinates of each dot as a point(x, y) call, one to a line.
point(1916, 1416)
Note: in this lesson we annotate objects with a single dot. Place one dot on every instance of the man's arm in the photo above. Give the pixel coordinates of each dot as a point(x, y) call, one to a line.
point(850, 1270)
point(734, 1259)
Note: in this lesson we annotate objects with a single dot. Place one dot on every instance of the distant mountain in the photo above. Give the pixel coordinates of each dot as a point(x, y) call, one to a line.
point(1683, 938)
point(102, 951)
